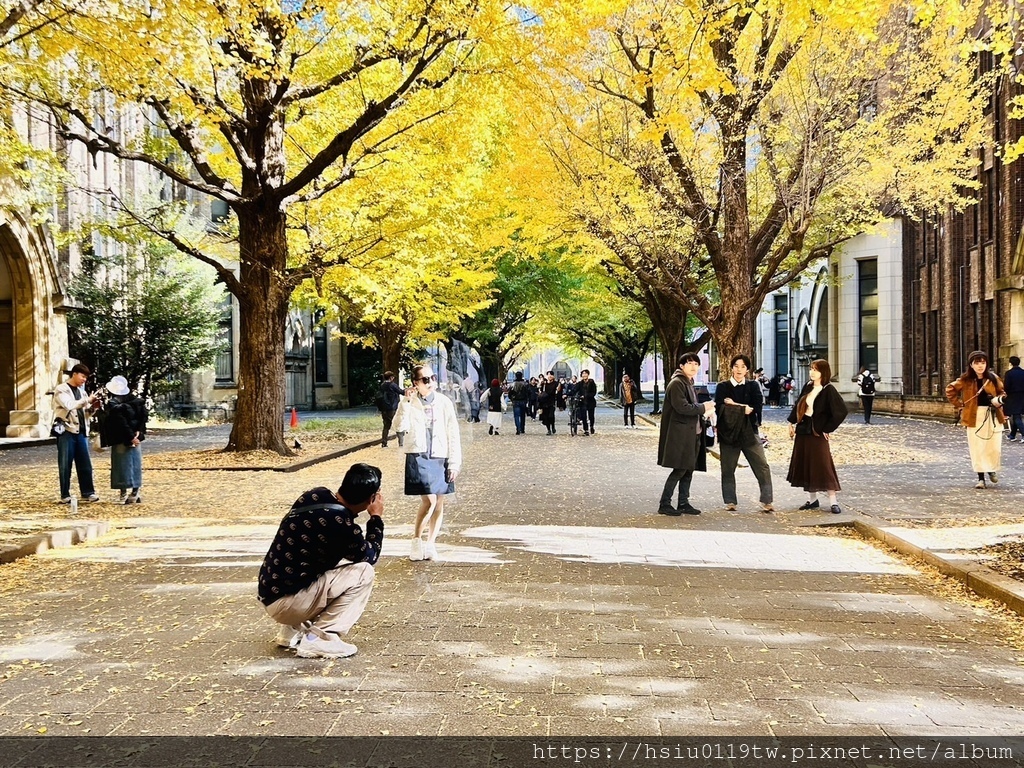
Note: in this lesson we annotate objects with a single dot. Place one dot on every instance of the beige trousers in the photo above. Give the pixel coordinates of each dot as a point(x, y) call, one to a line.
point(985, 442)
point(334, 602)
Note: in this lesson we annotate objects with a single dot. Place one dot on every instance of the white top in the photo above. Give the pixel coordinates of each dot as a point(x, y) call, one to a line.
point(811, 397)
point(446, 441)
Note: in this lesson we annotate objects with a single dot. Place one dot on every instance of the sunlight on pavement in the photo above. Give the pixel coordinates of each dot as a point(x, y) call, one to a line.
point(42, 647)
point(699, 549)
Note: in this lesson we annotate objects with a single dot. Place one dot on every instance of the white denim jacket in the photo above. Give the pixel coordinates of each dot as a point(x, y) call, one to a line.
point(412, 420)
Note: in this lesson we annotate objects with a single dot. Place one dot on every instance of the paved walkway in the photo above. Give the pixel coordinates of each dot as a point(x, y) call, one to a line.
point(563, 606)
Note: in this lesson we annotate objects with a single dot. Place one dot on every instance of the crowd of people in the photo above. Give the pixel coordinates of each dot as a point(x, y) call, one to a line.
point(318, 573)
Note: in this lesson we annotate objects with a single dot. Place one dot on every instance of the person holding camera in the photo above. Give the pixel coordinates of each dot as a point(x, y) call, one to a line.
point(71, 409)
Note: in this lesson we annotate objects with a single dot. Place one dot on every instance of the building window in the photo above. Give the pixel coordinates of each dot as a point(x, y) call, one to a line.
point(867, 287)
point(219, 211)
point(781, 334)
point(225, 366)
point(989, 192)
point(936, 363)
point(320, 349)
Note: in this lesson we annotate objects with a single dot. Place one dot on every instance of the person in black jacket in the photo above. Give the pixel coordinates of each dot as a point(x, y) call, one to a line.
point(817, 414)
point(123, 429)
point(1013, 406)
point(387, 404)
point(317, 576)
point(547, 397)
point(587, 389)
point(738, 404)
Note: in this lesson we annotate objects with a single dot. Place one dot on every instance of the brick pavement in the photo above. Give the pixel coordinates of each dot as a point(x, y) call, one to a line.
point(563, 607)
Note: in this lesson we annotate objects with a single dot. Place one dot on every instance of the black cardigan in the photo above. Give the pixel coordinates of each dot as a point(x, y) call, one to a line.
point(829, 409)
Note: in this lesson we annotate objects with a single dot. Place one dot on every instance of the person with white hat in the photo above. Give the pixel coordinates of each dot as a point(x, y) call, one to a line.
point(124, 429)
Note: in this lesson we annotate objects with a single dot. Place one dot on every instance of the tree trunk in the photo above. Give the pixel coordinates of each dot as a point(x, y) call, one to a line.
point(263, 296)
point(391, 345)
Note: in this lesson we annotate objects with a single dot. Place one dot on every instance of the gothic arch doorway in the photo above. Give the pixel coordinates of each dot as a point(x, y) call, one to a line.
point(33, 329)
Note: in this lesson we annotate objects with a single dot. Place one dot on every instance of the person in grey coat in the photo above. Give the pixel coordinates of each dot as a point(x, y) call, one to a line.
point(681, 441)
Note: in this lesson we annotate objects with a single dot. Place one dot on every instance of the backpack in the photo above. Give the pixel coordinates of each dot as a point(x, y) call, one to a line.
point(867, 385)
point(381, 401)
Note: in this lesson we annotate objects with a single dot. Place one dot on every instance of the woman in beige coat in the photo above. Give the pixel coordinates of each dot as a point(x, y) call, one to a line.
point(979, 394)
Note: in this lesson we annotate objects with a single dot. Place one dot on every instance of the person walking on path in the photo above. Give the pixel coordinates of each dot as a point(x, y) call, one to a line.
point(534, 391)
point(1013, 383)
point(866, 382)
point(123, 429)
point(629, 393)
point(978, 394)
point(387, 403)
point(71, 410)
point(817, 414)
point(737, 404)
point(586, 388)
point(681, 439)
point(495, 407)
point(433, 456)
point(317, 576)
point(547, 397)
point(472, 399)
point(519, 395)
point(774, 391)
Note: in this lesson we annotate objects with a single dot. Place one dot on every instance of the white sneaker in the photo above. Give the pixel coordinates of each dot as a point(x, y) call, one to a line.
point(319, 644)
point(288, 636)
point(430, 552)
point(416, 551)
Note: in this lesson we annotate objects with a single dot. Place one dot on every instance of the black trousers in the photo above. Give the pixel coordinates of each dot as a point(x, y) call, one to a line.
point(629, 414)
point(867, 402)
point(387, 417)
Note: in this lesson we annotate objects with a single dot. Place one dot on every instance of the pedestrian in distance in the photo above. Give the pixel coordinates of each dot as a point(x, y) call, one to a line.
point(681, 439)
point(547, 397)
point(317, 576)
point(1013, 406)
point(586, 390)
point(433, 456)
point(774, 390)
point(122, 430)
point(72, 408)
point(533, 388)
point(388, 396)
point(978, 395)
point(738, 405)
point(519, 396)
point(817, 414)
point(629, 394)
point(866, 384)
point(472, 399)
point(495, 407)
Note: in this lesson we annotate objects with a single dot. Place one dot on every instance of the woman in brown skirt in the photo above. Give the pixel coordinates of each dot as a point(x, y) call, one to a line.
point(979, 394)
point(819, 412)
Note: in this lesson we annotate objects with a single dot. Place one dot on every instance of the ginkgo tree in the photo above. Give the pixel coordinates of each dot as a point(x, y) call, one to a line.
point(270, 107)
point(717, 148)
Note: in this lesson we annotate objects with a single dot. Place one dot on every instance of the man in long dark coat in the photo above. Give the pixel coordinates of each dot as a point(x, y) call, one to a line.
point(681, 442)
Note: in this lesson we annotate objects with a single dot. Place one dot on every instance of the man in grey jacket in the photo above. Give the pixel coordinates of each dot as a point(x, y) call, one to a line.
point(681, 440)
point(71, 408)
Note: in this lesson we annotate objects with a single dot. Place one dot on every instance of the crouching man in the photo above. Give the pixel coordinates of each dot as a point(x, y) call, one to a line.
point(316, 578)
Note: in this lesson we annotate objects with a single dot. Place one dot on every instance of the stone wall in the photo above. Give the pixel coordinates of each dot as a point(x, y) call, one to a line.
point(919, 406)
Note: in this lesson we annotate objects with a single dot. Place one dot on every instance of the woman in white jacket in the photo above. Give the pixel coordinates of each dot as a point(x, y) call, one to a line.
point(433, 455)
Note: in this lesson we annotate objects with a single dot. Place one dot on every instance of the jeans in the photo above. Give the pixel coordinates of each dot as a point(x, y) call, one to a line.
point(74, 449)
point(1016, 424)
point(753, 452)
point(629, 414)
point(682, 478)
point(519, 415)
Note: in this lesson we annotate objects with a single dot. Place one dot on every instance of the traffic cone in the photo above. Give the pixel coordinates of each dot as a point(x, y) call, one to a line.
point(295, 418)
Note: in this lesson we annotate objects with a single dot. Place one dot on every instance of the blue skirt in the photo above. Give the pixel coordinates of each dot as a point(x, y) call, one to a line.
point(425, 475)
point(125, 466)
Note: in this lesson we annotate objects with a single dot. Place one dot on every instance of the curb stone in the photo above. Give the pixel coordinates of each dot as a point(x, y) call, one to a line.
point(56, 539)
point(977, 577)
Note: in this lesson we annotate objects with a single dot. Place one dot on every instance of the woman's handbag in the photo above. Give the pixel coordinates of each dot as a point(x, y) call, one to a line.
point(57, 428)
point(709, 436)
